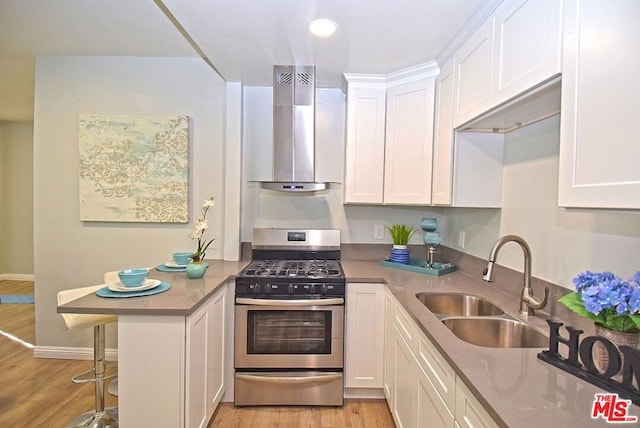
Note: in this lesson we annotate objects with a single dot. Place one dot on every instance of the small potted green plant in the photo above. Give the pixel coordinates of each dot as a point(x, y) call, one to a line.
point(400, 235)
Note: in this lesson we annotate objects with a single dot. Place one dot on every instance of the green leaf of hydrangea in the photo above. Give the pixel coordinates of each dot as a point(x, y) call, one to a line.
point(573, 301)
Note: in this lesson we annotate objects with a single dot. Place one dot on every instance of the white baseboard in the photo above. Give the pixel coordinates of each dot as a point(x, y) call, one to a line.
point(373, 393)
point(16, 276)
point(69, 353)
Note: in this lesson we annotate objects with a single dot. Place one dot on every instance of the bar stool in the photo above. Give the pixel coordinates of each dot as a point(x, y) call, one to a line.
point(100, 416)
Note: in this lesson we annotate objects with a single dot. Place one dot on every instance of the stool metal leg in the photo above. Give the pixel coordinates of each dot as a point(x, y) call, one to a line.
point(99, 417)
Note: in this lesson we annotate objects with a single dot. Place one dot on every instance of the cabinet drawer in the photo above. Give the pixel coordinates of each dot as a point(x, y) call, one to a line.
point(440, 373)
point(406, 326)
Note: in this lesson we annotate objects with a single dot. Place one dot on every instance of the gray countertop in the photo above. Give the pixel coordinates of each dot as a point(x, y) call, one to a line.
point(183, 298)
point(515, 387)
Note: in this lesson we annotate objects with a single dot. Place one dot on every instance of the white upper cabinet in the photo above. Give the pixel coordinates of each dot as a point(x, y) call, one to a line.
point(600, 105)
point(389, 143)
point(527, 46)
point(409, 143)
point(443, 137)
point(515, 51)
point(472, 63)
point(366, 113)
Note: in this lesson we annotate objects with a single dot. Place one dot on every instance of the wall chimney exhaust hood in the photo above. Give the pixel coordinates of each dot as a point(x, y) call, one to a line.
point(294, 99)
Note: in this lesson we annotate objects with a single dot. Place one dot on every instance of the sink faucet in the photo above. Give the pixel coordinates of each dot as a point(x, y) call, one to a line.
point(527, 302)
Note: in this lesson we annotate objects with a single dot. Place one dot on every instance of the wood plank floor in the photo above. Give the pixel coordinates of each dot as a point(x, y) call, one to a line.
point(37, 392)
point(356, 413)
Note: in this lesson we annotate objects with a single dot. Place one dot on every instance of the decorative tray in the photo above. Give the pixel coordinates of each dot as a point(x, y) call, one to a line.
point(419, 266)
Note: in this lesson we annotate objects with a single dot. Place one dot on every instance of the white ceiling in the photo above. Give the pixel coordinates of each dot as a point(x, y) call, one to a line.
point(242, 39)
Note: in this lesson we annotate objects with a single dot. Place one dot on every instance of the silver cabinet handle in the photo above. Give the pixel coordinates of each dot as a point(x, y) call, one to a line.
point(290, 379)
point(284, 302)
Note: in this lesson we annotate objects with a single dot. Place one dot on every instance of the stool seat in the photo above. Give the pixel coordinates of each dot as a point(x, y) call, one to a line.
point(78, 321)
point(99, 416)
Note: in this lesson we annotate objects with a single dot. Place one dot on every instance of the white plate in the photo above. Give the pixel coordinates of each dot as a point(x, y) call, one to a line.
point(146, 285)
point(173, 264)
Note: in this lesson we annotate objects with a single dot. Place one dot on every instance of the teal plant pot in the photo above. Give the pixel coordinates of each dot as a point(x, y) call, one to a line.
point(196, 270)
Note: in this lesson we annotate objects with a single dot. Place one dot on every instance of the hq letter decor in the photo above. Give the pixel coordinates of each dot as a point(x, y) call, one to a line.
point(580, 361)
point(134, 168)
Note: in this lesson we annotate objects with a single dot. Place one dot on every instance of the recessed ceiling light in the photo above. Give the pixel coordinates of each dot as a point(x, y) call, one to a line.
point(322, 27)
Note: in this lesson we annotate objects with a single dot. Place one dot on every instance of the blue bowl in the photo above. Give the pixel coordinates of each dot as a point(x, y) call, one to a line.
point(133, 277)
point(182, 258)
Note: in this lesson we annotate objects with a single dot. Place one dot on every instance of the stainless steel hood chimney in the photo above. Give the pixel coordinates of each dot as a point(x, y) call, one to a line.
point(294, 99)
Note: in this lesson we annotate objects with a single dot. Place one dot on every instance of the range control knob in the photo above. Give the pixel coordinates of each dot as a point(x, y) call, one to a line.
point(255, 288)
point(312, 289)
point(324, 289)
point(267, 288)
point(290, 289)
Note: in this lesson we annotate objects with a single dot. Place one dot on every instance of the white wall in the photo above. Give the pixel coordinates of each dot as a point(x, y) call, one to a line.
point(16, 201)
point(564, 242)
point(70, 253)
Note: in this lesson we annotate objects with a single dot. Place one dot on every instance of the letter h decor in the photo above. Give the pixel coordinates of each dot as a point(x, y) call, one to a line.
point(580, 361)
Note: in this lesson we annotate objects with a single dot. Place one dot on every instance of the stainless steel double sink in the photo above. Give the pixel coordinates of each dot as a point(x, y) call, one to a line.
point(479, 322)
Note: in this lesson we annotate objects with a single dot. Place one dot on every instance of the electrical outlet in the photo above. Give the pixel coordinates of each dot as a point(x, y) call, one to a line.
point(378, 231)
point(461, 239)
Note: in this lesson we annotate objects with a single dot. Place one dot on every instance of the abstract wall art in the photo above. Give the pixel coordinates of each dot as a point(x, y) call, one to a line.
point(134, 168)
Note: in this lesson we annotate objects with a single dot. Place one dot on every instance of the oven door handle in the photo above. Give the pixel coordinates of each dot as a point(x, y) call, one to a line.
point(290, 379)
point(284, 302)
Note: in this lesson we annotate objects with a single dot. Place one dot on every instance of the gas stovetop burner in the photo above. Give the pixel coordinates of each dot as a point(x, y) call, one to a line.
point(293, 269)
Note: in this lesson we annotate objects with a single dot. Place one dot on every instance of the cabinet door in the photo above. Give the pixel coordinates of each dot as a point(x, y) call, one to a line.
point(409, 143)
point(600, 93)
point(364, 340)
point(472, 70)
point(469, 412)
point(216, 345)
point(405, 384)
point(196, 367)
point(389, 350)
point(527, 46)
point(364, 167)
point(443, 137)
point(432, 412)
point(204, 362)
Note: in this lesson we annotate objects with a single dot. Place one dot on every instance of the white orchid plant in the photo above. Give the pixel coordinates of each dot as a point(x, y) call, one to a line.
point(199, 228)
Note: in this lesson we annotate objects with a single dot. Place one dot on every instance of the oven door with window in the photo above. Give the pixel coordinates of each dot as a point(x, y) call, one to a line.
point(289, 334)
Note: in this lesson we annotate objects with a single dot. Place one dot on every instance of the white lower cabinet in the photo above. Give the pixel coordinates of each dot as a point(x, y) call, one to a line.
point(171, 367)
point(205, 356)
point(469, 412)
point(364, 336)
point(389, 365)
point(432, 412)
point(421, 388)
point(405, 383)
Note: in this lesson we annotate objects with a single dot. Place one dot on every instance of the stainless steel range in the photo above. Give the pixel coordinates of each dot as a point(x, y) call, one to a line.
point(289, 325)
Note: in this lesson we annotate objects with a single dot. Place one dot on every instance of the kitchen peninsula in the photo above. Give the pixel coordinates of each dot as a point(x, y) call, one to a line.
point(171, 346)
point(157, 350)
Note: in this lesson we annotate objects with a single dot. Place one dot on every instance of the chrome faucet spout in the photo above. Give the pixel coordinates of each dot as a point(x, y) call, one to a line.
point(527, 301)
